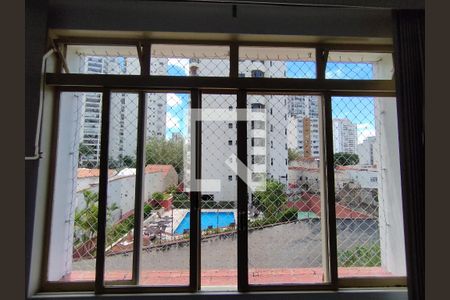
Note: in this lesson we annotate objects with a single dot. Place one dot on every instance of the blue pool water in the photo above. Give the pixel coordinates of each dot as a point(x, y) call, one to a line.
point(214, 219)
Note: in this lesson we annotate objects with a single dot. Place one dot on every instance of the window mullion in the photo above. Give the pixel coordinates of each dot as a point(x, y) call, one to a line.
point(103, 193)
point(140, 186)
point(234, 60)
point(242, 192)
point(195, 192)
point(328, 163)
point(145, 60)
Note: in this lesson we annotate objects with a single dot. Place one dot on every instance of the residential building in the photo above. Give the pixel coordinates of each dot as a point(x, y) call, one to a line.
point(365, 151)
point(304, 114)
point(124, 108)
point(344, 136)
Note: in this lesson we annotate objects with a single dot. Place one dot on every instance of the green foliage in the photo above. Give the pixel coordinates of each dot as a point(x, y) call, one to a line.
point(84, 151)
point(271, 199)
point(158, 196)
point(129, 162)
point(86, 220)
point(288, 215)
point(117, 231)
point(293, 154)
point(211, 204)
point(181, 200)
point(167, 152)
point(361, 256)
point(147, 210)
point(172, 189)
point(283, 216)
point(345, 159)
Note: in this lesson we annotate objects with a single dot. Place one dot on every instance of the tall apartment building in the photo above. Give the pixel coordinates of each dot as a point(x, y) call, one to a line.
point(344, 136)
point(124, 109)
point(365, 151)
point(304, 125)
point(267, 139)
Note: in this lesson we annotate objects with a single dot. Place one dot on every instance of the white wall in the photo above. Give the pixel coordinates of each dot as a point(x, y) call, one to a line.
point(121, 190)
point(364, 177)
point(64, 200)
point(389, 193)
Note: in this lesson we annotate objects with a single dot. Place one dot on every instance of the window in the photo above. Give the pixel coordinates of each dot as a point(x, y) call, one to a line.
point(258, 159)
point(289, 215)
point(257, 73)
point(256, 107)
point(258, 142)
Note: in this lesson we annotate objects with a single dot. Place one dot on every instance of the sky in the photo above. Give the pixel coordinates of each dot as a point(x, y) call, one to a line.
point(359, 110)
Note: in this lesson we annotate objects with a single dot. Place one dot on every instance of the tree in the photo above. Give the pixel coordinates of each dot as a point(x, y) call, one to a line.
point(293, 154)
point(129, 161)
point(84, 151)
point(166, 152)
point(86, 220)
point(345, 159)
point(272, 198)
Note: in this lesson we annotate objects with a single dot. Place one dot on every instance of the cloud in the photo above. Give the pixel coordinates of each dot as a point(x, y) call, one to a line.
point(173, 100)
point(364, 131)
point(336, 73)
point(180, 63)
point(172, 121)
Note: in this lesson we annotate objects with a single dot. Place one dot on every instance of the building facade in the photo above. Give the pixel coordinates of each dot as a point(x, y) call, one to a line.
point(344, 136)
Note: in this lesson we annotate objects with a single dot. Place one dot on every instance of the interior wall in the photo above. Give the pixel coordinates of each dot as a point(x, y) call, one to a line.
point(35, 48)
point(207, 17)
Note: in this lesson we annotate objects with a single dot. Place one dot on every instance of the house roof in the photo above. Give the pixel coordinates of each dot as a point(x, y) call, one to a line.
point(85, 172)
point(312, 203)
point(159, 168)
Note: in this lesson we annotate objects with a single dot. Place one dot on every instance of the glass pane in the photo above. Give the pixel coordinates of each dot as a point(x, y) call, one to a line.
point(88, 59)
point(277, 62)
point(219, 196)
point(284, 239)
point(367, 186)
point(359, 65)
point(121, 186)
point(190, 60)
point(73, 237)
point(165, 251)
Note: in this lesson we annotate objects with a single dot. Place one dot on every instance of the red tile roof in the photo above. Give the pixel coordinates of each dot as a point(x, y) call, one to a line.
point(158, 168)
point(312, 203)
point(85, 172)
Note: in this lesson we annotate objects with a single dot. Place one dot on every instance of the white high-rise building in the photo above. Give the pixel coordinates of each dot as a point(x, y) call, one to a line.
point(365, 151)
point(267, 141)
point(124, 109)
point(344, 136)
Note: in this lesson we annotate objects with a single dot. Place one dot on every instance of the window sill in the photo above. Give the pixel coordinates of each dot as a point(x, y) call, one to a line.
point(348, 293)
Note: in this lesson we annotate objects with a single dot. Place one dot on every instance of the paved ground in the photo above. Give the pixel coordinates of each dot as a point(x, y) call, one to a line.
point(295, 245)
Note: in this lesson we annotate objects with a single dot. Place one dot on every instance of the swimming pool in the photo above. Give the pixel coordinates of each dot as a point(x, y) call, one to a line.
point(214, 219)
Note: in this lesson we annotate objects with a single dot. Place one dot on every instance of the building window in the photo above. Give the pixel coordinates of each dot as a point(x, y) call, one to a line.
point(230, 125)
point(257, 73)
point(230, 177)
